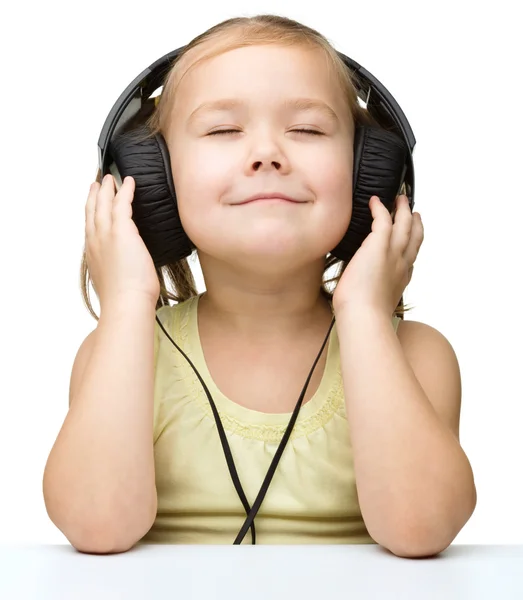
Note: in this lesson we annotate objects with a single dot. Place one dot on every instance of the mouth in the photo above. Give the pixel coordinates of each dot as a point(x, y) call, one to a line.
point(271, 198)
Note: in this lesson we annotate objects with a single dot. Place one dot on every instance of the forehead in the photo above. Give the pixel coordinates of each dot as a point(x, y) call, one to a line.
point(260, 71)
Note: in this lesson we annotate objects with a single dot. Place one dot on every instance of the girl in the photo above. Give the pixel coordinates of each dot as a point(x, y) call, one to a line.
point(264, 186)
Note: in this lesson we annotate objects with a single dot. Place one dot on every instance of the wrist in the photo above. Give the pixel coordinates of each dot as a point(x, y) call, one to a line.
point(128, 305)
point(358, 312)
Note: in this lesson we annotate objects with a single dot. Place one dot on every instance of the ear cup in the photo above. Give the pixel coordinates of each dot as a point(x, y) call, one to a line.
point(380, 159)
point(155, 208)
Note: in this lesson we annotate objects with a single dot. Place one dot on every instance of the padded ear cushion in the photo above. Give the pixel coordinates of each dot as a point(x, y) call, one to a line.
point(154, 207)
point(380, 159)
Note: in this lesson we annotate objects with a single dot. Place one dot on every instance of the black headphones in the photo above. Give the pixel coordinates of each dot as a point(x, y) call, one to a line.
point(382, 162)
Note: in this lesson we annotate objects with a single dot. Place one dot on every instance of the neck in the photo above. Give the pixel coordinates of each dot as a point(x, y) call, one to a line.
point(267, 309)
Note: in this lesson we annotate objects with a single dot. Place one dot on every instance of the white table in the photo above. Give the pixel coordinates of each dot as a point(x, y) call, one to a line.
point(147, 572)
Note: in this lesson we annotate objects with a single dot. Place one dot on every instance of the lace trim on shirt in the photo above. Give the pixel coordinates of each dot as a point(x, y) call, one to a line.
point(334, 401)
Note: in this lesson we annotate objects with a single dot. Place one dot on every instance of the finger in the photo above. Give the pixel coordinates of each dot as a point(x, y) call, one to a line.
point(416, 239)
point(90, 208)
point(382, 221)
point(104, 205)
point(122, 203)
point(401, 232)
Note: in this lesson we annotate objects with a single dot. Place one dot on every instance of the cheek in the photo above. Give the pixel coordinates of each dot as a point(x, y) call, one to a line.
point(336, 192)
point(200, 178)
point(331, 163)
point(332, 178)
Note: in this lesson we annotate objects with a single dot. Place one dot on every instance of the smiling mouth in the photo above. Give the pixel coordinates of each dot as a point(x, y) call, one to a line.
point(270, 201)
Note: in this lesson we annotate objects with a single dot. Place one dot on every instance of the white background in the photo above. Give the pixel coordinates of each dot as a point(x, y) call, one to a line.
point(452, 67)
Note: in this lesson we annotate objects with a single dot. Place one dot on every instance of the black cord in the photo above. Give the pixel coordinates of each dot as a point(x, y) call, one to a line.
point(223, 438)
point(279, 452)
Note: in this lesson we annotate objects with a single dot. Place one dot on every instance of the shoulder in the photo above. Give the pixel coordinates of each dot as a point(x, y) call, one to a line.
point(420, 338)
point(173, 321)
point(435, 365)
point(166, 313)
point(170, 314)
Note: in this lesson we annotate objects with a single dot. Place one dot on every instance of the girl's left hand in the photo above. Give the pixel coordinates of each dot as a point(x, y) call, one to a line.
point(381, 269)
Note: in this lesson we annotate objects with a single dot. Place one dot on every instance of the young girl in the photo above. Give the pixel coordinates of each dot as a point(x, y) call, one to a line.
point(148, 451)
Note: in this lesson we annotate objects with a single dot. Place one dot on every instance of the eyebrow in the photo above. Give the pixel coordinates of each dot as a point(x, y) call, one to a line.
point(225, 104)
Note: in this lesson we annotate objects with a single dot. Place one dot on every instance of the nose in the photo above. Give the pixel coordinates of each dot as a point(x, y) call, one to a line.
point(267, 155)
point(260, 165)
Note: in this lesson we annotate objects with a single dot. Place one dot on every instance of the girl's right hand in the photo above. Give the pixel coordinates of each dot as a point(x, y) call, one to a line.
point(119, 263)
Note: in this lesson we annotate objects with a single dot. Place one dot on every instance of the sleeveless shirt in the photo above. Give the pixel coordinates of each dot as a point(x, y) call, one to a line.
point(312, 498)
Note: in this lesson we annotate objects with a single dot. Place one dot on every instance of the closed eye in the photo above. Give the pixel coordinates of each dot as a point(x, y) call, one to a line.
point(311, 131)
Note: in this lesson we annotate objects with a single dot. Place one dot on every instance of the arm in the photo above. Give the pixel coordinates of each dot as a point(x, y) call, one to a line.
point(99, 480)
point(403, 393)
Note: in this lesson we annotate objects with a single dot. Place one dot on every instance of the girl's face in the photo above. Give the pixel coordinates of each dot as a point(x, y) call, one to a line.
point(234, 132)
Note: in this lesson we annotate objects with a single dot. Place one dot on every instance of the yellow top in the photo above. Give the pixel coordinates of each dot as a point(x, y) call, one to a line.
point(312, 498)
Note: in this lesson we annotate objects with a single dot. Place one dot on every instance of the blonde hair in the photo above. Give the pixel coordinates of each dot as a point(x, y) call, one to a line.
point(230, 34)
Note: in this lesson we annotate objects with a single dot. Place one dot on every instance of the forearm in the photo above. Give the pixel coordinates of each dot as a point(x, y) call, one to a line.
point(100, 478)
point(415, 483)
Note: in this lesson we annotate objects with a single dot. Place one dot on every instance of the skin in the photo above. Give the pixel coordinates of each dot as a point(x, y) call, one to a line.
point(402, 395)
point(262, 262)
point(262, 265)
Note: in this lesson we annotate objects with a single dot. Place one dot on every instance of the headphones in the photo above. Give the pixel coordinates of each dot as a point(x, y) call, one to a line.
point(382, 162)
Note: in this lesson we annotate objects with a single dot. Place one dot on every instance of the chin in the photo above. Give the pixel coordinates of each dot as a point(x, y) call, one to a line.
point(273, 259)
point(258, 246)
